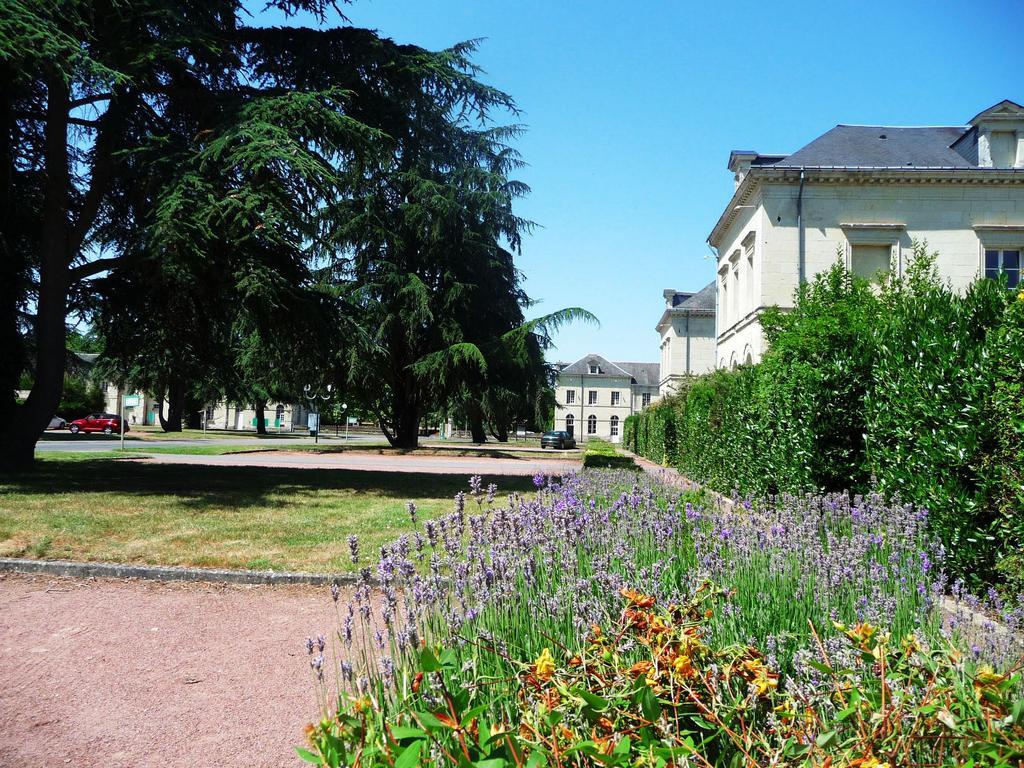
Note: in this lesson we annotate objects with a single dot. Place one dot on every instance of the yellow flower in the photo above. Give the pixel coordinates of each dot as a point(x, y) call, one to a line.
point(682, 665)
point(544, 666)
point(987, 676)
point(873, 762)
point(762, 678)
point(1020, 296)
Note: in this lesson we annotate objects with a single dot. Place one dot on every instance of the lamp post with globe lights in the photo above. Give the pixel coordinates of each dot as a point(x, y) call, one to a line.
point(315, 397)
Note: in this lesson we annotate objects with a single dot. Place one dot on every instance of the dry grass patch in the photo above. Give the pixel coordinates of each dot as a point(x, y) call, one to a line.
point(212, 516)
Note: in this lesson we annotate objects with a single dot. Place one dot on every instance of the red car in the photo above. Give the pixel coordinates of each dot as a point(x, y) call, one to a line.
point(107, 423)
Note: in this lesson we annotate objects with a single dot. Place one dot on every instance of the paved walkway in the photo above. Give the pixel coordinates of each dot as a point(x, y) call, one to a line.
point(138, 674)
point(447, 465)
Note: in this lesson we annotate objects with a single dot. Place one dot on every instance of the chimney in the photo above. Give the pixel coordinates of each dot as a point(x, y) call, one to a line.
point(739, 163)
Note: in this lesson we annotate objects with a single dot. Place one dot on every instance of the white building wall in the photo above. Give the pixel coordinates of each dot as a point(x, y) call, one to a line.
point(687, 349)
point(951, 218)
point(576, 413)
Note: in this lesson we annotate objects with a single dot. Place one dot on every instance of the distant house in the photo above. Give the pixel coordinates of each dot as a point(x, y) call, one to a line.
point(868, 192)
point(687, 329)
point(594, 396)
point(143, 408)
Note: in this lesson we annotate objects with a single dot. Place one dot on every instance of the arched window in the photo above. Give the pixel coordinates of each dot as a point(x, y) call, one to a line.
point(569, 424)
point(615, 426)
point(591, 424)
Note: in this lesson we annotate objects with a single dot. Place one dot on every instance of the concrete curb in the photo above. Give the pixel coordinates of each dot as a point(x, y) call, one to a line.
point(168, 573)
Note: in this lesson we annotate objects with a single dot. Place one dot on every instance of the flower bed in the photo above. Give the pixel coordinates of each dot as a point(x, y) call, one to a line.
point(756, 627)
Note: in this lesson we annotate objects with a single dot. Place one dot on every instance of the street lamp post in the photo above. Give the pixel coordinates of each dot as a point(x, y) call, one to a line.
point(344, 415)
point(315, 397)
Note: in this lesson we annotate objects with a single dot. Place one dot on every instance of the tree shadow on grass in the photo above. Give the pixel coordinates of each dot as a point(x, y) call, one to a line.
point(199, 486)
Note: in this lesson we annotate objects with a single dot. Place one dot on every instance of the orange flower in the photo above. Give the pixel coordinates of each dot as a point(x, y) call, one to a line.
point(637, 598)
point(640, 668)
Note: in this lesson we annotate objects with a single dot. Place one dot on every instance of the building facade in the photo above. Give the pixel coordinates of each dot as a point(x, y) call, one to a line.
point(594, 396)
point(143, 408)
point(687, 331)
point(865, 195)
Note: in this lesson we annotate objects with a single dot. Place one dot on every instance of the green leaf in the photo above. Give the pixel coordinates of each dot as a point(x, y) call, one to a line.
point(400, 732)
point(428, 661)
point(308, 756)
point(595, 702)
point(410, 755)
point(826, 739)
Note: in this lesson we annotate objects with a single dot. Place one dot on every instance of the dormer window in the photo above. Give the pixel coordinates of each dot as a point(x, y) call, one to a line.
point(999, 132)
point(594, 368)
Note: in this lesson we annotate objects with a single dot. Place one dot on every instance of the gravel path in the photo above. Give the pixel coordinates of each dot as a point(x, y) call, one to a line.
point(447, 465)
point(122, 673)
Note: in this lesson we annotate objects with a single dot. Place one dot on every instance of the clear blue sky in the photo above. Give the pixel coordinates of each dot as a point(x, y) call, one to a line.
point(633, 108)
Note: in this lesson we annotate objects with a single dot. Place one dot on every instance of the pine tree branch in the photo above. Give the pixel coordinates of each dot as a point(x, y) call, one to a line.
point(91, 268)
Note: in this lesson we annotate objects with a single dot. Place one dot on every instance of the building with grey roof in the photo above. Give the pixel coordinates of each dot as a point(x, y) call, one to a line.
point(865, 194)
point(594, 395)
point(687, 331)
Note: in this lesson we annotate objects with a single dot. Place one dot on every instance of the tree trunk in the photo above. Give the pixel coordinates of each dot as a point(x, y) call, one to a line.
point(476, 425)
point(500, 434)
point(175, 407)
point(405, 418)
point(18, 436)
point(261, 419)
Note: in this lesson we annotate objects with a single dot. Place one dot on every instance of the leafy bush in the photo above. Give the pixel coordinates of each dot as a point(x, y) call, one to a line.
point(931, 433)
point(79, 398)
point(599, 454)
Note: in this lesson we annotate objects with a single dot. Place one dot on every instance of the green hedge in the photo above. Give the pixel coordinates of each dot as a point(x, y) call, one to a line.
point(912, 388)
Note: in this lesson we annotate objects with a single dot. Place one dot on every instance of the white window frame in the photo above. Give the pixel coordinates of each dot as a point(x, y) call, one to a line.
point(570, 396)
point(645, 399)
point(1000, 269)
point(875, 234)
point(591, 397)
point(1000, 238)
point(591, 424)
point(614, 426)
point(748, 257)
point(615, 397)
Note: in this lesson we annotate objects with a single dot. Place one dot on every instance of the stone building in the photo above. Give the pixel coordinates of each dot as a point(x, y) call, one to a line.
point(687, 330)
point(594, 396)
point(865, 194)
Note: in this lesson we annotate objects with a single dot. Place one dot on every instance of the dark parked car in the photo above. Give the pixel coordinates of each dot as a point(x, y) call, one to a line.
point(107, 423)
point(557, 440)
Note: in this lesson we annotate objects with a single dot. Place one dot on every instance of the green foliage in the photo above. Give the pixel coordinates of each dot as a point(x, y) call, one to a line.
point(599, 454)
point(912, 387)
point(931, 430)
point(652, 689)
point(1003, 466)
point(79, 398)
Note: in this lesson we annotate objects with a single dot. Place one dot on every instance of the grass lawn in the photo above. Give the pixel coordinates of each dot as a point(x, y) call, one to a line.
point(87, 507)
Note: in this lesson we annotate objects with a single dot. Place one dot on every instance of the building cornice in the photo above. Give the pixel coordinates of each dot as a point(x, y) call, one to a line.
point(857, 175)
